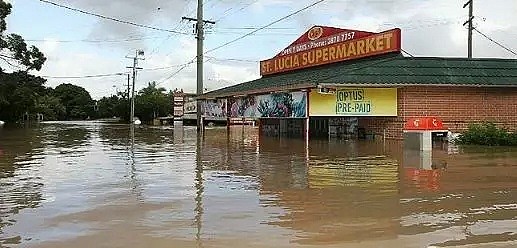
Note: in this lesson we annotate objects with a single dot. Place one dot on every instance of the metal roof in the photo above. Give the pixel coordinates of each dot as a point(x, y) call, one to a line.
point(391, 70)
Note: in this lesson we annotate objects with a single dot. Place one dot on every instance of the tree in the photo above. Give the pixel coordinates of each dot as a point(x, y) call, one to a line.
point(108, 106)
point(152, 102)
point(13, 49)
point(77, 101)
point(19, 91)
point(51, 108)
point(122, 108)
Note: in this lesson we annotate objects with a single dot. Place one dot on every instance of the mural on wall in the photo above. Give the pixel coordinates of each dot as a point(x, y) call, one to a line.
point(272, 105)
point(242, 107)
point(214, 108)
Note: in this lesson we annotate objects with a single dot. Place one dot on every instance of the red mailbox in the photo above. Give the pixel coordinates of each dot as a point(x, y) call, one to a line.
point(424, 124)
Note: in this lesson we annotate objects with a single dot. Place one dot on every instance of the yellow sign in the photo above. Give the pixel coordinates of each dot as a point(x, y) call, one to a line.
point(354, 102)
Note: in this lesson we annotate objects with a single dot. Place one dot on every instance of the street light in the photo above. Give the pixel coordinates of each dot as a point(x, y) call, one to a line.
point(139, 53)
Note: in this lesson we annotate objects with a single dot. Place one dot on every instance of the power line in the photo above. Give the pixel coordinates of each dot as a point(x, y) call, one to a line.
point(250, 28)
point(411, 55)
point(165, 67)
point(181, 69)
point(244, 36)
point(86, 76)
point(122, 73)
point(230, 59)
point(112, 18)
point(176, 72)
point(263, 27)
point(241, 9)
point(177, 27)
point(95, 41)
point(226, 11)
point(261, 34)
point(495, 42)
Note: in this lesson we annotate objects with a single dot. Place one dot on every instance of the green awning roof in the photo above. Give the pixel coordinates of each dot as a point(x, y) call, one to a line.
point(390, 70)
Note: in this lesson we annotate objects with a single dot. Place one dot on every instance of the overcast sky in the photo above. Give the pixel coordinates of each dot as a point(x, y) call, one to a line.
point(429, 28)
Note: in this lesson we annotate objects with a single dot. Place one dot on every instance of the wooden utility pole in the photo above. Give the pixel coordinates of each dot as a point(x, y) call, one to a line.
point(200, 36)
point(470, 3)
point(134, 67)
point(127, 95)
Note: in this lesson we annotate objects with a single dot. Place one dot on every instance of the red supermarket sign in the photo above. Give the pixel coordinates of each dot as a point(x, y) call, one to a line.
point(325, 45)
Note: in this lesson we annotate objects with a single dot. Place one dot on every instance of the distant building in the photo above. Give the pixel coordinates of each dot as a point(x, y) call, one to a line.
point(334, 82)
point(179, 100)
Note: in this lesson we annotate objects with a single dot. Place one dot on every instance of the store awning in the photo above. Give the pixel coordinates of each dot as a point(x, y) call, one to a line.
point(392, 70)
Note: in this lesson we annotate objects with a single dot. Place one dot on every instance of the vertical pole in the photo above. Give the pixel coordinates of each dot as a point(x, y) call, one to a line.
point(174, 106)
point(470, 3)
point(128, 90)
point(227, 110)
point(471, 17)
point(307, 120)
point(200, 189)
point(132, 119)
point(200, 37)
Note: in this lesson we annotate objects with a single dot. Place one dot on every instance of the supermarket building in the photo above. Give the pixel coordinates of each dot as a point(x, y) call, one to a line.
point(349, 83)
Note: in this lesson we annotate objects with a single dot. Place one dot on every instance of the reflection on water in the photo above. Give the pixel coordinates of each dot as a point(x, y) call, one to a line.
point(91, 184)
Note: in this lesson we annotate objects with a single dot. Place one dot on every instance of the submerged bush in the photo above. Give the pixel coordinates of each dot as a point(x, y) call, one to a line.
point(487, 134)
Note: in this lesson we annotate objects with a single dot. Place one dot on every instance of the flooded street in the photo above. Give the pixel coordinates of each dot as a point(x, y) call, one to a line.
point(85, 184)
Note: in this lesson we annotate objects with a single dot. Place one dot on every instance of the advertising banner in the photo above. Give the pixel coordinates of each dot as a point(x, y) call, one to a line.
point(354, 102)
point(332, 49)
point(285, 104)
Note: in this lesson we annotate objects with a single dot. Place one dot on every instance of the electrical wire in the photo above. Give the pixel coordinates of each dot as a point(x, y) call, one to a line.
point(495, 42)
point(163, 68)
point(177, 27)
point(94, 41)
point(241, 33)
point(264, 27)
point(230, 59)
point(411, 55)
point(241, 9)
point(176, 72)
point(244, 36)
point(112, 18)
point(251, 28)
point(86, 76)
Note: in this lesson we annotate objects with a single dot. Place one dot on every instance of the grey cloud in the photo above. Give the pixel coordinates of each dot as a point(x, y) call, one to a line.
point(160, 13)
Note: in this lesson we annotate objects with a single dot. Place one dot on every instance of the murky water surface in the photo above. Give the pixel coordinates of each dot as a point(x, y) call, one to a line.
point(86, 184)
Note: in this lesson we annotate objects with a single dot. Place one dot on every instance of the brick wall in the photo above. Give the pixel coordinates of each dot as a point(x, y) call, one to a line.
point(456, 106)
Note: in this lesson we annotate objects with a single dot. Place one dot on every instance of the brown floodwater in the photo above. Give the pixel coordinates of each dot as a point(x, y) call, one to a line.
point(88, 184)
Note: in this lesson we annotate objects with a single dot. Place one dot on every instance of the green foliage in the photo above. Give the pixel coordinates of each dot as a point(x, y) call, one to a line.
point(51, 108)
point(77, 101)
point(152, 102)
point(114, 106)
point(488, 134)
point(19, 94)
point(13, 49)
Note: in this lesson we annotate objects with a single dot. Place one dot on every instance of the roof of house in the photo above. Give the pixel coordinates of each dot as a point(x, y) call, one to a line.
point(391, 70)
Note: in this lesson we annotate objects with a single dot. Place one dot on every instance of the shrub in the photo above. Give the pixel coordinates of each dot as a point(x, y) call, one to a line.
point(487, 134)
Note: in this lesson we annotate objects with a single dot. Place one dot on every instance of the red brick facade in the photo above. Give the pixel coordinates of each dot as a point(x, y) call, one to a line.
point(456, 106)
